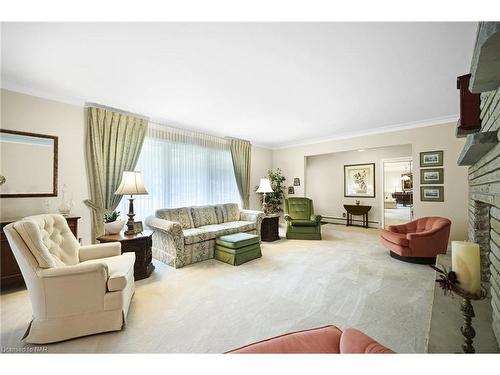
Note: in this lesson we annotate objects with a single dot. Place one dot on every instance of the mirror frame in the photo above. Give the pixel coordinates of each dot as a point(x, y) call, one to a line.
point(54, 170)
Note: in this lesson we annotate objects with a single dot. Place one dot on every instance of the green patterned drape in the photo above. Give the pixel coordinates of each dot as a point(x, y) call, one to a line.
point(113, 144)
point(241, 152)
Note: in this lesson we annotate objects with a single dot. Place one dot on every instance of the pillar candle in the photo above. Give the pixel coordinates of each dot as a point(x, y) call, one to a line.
point(466, 264)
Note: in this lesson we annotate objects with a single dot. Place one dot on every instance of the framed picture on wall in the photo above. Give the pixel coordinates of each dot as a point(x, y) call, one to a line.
point(432, 193)
point(296, 181)
point(359, 180)
point(407, 181)
point(431, 159)
point(431, 176)
point(291, 190)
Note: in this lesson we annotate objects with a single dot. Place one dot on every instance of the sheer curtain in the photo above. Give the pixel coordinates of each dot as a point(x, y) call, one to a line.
point(183, 168)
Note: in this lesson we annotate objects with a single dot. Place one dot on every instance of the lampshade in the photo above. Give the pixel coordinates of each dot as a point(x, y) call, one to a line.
point(131, 184)
point(265, 186)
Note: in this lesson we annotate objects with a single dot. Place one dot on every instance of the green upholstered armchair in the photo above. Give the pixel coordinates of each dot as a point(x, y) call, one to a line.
point(301, 222)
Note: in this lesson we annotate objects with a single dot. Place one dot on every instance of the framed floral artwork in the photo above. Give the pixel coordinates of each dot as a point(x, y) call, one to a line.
point(359, 180)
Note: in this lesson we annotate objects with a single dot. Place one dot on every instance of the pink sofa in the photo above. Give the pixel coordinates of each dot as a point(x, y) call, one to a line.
point(418, 241)
point(328, 339)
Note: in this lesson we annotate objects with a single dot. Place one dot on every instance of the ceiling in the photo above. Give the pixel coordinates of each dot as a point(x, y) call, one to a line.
point(275, 84)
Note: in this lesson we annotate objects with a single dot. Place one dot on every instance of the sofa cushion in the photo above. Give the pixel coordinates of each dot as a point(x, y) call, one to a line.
point(237, 240)
point(234, 227)
point(303, 223)
point(316, 340)
point(227, 212)
point(180, 215)
point(195, 235)
point(396, 238)
point(203, 215)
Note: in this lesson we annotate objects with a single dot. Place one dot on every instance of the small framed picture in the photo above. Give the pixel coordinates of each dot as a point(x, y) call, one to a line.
point(138, 228)
point(431, 159)
point(431, 176)
point(296, 181)
point(291, 190)
point(432, 193)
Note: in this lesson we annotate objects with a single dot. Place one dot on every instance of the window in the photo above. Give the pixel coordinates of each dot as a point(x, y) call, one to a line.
point(182, 168)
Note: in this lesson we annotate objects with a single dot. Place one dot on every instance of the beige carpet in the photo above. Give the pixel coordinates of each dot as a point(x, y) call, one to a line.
point(348, 279)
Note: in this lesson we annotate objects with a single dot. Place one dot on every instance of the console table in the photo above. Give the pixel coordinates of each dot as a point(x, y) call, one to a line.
point(358, 210)
point(140, 244)
point(10, 273)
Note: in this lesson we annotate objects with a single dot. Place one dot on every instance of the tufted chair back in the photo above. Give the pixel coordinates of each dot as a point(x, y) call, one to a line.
point(299, 208)
point(49, 240)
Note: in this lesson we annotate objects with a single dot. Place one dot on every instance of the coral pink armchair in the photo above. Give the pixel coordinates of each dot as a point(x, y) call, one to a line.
point(418, 241)
point(328, 339)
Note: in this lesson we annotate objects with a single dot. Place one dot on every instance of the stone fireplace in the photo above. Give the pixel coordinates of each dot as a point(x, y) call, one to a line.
point(484, 206)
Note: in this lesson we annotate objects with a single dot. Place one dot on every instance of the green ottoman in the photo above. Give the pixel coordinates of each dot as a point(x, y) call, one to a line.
point(237, 248)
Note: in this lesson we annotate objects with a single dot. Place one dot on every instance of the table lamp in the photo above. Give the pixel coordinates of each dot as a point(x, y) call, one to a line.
point(264, 187)
point(131, 184)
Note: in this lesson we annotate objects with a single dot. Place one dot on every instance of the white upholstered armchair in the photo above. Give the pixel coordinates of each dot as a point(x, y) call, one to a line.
point(74, 290)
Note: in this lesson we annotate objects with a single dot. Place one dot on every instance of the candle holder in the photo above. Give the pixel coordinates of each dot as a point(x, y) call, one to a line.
point(449, 283)
point(468, 313)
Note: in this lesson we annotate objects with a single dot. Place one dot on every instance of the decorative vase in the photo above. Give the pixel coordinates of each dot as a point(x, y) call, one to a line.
point(66, 201)
point(114, 227)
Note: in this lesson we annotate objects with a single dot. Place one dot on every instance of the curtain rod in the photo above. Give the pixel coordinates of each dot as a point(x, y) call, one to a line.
point(116, 110)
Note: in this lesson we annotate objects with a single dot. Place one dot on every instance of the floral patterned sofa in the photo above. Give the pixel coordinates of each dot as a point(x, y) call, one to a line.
point(186, 235)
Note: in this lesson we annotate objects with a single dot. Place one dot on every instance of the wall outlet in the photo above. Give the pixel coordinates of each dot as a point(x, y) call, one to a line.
point(343, 214)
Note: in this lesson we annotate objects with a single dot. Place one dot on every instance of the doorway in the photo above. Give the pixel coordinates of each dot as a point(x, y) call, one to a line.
point(398, 191)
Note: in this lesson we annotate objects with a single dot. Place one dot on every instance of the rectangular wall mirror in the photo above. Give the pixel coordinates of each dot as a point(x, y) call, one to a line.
point(28, 164)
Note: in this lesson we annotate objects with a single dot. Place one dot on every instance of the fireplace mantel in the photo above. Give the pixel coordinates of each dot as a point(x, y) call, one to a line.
point(485, 67)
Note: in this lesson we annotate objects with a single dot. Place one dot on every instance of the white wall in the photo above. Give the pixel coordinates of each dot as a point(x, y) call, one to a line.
point(429, 138)
point(324, 181)
point(262, 160)
point(36, 115)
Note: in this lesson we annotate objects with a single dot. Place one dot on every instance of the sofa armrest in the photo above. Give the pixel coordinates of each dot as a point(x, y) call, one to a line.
point(425, 234)
point(254, 216)
point(402, 228)
point(171, 229)
point(104, 250)
point(430, 243)
point(250, 215)
point(353, 341)
point(74, 289)
point(316, 218)
point(166, 226)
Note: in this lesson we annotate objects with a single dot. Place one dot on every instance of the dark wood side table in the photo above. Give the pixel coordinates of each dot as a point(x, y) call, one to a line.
point(269, 230)
point(140, 244)
point(354, 209)
point(10, 273)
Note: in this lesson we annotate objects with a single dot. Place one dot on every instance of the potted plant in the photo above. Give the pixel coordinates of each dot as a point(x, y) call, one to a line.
point(274, 200)
point(112, 222)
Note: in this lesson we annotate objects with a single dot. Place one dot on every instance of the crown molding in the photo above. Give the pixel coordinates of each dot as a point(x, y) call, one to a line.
point(23, 89)
point(361, 133)
point(11, 86)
